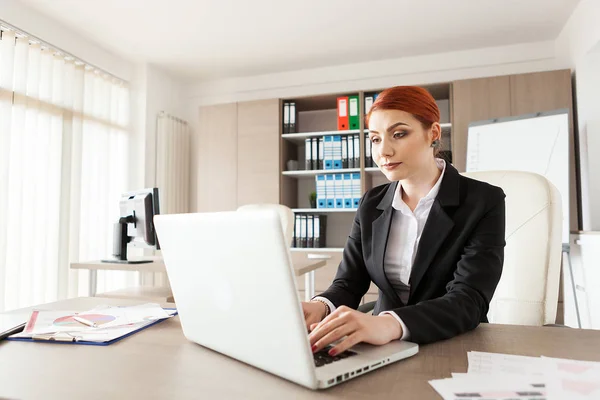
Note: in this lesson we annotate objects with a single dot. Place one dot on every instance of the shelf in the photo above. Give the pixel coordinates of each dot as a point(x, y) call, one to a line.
point(319, 102)
point(313, 172)
point(372, 169)
point(298, 138)
point(317, 250)
point(324, 210)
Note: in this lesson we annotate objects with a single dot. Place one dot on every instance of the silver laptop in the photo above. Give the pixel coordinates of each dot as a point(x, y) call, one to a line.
point(236, 293)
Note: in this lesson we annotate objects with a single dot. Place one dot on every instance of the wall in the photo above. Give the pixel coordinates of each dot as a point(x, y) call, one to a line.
point(587, 82)
point(151, 91)
point(163, 93)
point(137, 106)
point(578, 46)
point(443, 67)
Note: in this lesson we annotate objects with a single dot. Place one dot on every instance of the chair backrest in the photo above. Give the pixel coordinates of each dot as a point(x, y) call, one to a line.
point(528, 290)
point(286, 215)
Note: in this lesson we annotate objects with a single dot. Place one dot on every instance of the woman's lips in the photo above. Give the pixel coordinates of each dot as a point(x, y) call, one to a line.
point(391, 166)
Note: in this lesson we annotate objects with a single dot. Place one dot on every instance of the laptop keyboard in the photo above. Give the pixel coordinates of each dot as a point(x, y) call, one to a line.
point(323, 358)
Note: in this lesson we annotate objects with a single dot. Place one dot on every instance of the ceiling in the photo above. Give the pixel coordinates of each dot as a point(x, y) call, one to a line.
point(209, 39)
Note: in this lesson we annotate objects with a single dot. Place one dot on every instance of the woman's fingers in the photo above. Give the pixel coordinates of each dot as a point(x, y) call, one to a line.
point(334, 335)
point(312, 321)
point(311, 314)
point(330, 323)
point(324, 328)
point(352, 340)
point(329, 317)
point(341, 311)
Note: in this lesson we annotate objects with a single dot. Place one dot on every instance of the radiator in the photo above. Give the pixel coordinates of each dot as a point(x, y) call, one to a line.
point(172, 164)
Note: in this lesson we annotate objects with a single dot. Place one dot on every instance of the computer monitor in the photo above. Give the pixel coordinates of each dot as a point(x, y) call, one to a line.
point(135, 225)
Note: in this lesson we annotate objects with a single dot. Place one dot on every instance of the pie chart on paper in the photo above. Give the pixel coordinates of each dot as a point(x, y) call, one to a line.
point(99, 319)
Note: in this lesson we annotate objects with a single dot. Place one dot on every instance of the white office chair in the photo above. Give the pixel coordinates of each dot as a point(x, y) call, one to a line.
point(528, 290)
point(286, 215)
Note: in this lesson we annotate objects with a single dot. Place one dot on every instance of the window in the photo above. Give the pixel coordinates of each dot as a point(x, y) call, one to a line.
point(63, 157)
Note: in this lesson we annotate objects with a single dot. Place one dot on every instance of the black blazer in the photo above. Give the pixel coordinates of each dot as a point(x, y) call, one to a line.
point(456, 268)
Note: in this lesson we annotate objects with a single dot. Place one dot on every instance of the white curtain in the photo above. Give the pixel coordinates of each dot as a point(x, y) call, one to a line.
point(63, 146)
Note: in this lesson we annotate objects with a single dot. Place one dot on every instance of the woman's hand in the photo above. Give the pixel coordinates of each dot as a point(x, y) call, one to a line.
point(356, 326)
point(314, 312)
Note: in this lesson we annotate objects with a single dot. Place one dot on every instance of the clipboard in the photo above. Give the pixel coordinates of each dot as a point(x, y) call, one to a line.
point(54, 339)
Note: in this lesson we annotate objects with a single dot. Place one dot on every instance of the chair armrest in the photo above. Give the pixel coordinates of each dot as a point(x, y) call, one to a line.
point(557, 325)
point(367, 307)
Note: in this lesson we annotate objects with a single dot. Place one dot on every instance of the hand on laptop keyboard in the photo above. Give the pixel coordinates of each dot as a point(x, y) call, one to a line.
point(351, 327)
point(314, 312)
point(323, 358)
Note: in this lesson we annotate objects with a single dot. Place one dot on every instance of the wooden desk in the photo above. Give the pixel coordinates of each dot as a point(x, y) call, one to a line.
point(302, 266)
point(159, 363)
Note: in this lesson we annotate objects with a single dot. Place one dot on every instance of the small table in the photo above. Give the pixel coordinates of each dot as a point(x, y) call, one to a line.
point(302, 266)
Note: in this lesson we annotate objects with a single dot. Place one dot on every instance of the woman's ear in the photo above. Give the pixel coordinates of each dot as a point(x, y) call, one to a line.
point(435, 132)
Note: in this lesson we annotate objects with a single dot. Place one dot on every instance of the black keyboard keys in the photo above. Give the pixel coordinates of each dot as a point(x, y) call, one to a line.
point(323, 358)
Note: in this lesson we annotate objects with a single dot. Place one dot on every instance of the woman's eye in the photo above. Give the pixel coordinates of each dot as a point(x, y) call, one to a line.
point(375, 140)
point(399, 134)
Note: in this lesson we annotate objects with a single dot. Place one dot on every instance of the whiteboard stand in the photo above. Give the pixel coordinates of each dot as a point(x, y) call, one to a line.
point(566, 249)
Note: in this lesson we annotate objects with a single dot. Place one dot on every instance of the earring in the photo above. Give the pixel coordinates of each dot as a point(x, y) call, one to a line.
point(435, 143)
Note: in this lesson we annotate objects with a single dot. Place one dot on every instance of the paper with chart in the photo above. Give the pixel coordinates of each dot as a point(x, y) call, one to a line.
point(488, 388)
point(112, 322)
point(564, 378)
point(573, 380)
point(504, 376)
point(493, 363)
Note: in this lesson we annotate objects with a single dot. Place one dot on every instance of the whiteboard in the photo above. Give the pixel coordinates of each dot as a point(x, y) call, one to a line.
point(535, 143)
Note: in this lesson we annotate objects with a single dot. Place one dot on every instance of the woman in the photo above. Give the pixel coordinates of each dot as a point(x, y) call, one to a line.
point(431, 240)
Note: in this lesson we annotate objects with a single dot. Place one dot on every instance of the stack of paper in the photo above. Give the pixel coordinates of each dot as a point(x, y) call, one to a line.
point(493, 376)
point(110, 323)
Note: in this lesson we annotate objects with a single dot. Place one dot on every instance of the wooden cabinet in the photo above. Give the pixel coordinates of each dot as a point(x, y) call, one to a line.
point(236, 156)
point(258, 152)
point(476, 100)
point(215, 152)
point(540, 91)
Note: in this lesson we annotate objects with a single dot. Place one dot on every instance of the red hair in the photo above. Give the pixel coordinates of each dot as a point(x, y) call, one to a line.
point(411, 99)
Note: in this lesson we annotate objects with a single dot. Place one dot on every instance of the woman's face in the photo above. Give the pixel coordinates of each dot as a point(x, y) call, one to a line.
point(400, 145)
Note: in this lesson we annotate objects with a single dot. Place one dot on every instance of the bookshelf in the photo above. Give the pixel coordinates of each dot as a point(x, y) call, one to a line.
point(316, 117)
point(323, 210)
point(298, 138)
point(312, 173)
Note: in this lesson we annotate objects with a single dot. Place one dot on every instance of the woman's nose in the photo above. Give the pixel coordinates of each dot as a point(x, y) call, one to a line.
point(386, 148)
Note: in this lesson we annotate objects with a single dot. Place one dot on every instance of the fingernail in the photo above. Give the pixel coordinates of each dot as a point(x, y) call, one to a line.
point(332, 353)
point(314, 348)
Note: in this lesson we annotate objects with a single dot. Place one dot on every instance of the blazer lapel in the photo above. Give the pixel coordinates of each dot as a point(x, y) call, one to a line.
point(437, 227)
point(381, 231)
